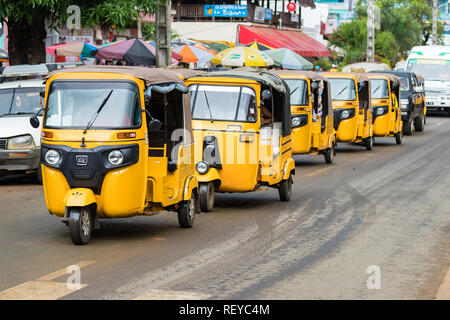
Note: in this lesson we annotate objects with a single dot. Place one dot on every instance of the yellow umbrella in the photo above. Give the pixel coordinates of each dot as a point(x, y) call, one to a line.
point(259, 46)
point(242, 56)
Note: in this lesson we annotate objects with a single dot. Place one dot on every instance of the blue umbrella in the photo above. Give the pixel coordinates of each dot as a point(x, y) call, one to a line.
point(288, 59)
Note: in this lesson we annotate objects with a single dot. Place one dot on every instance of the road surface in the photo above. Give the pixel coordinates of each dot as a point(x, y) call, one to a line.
point(373, 225)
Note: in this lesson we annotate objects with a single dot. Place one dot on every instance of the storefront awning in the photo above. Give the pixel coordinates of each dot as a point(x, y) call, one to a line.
point(297, 41)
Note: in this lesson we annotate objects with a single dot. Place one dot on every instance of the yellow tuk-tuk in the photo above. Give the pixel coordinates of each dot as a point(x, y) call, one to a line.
point(350, 95)
point(116, 143)
point(242, 133)
point(312, 114)
point(386, 112)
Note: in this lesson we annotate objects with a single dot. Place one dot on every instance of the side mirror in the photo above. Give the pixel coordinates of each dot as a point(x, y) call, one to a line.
point(34, 121)
point(154, 125)
point(266, 94)
point(147, 98)
point(362, 84)
point(314, 86)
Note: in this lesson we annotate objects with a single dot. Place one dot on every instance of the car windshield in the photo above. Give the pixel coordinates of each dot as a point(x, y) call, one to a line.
point(342, 89)
point(20, 101)
point(380, 89)
point(299, 91)
point(223, 103)
point(404, 83)
point(73, 104)
point(431, 71)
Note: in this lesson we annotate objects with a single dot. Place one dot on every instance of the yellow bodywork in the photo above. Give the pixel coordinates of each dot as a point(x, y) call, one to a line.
point(135, 189)
point(251, 155)
point(359, 127)
point(309, 139)
point(389, 124)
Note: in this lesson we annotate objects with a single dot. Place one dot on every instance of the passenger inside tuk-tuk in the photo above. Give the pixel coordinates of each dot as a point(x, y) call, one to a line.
point(364, 97)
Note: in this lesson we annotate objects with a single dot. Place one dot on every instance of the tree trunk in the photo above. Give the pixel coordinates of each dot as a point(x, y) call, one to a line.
point(26, 42)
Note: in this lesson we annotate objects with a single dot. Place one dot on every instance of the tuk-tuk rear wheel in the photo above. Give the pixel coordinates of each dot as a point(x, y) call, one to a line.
point(80, 225)
point(369, 143)
point(399, 137)
point(206, 196)
point(329, 155)
point(186, 212)
point(285, 189)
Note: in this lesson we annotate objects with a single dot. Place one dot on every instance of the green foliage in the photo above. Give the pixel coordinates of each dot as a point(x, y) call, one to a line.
point(148, 31)
point(404, 24)
point(323, 63)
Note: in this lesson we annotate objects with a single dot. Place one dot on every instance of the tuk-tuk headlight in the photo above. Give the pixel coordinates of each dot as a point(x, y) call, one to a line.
point(380, 111)
point(115, 157)
point(296, 121)
point(202, 167)
point(345, 114)
point(52, 157)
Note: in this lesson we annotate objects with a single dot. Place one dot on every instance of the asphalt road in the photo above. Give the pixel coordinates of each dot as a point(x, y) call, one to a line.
point(387, 210)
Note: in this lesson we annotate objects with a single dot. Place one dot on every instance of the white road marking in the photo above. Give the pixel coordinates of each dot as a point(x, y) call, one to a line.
point(43, 288)
point(156, 294)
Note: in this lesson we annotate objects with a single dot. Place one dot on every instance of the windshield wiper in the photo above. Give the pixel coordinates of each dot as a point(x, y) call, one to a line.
point(376, 89)
point(294, 90)
point(340, 92)
point(94, 117)
point(209, 108)
point(20, 113)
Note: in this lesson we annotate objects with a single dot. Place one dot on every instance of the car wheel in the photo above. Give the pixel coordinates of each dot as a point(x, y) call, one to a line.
point(206, 196)
point(80, 225)
point(39, 174)
point(418, 123)
point(408, 126)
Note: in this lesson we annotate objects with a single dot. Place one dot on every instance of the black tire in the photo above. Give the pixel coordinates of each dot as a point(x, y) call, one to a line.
point(408, 126)
point(80, 225)
point(369, 143)
point(418, 123)
point(329, 154)
point(206, 196)
point(39, 174)
point(399, 137)
point(285, 189)
point(186, 212)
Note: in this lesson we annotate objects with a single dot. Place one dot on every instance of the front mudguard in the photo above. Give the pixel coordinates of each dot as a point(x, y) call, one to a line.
point(211, 175)
point(79, 197)
point(289, 168)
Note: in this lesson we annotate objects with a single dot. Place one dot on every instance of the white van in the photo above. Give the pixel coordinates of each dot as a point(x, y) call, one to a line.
point(433, 64)
point(19, 141)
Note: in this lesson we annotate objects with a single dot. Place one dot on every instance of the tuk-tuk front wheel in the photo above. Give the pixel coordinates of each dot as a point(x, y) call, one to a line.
point(206, 196)
point(408, 126)
point(80, 225)
point(285, 189)
point(186, 212)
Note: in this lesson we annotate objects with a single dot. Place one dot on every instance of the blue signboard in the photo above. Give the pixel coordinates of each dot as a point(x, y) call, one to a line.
point(225, 10)
point(268, 14)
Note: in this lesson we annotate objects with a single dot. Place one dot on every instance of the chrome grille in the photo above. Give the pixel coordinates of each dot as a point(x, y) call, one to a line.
point(3, 144)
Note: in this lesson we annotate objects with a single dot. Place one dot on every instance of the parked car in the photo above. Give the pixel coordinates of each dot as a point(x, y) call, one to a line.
point(19, 141)
point(412, 101)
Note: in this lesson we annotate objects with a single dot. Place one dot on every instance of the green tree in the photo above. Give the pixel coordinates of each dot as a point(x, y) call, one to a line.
point(149, 29)
point(27, 19)
point(404, 24)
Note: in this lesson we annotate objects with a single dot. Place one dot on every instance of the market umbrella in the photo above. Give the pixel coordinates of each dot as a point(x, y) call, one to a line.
point(175, 55)
point(193, 54)
point(76, 49)
point(259, 46)
point(242, 56)
point(4, 57)
point(133, 51)
point(217, 45)
point(288, 59)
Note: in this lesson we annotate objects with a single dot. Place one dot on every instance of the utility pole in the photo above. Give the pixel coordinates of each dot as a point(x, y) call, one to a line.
point(370, 32)
point(162, 35)
point(434, 27)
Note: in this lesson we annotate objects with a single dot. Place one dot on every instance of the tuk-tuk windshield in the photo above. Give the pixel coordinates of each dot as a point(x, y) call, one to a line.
point(73, 104)
point(342, 89)
point(380, 89)
point(20, 101)
point(223, 103)
point(299, 91)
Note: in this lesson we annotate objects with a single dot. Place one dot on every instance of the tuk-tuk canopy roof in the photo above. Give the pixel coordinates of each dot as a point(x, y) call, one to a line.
point(255, 74)
point(314, 76)
point(392, 78)
point(151, 76)
point(359, 76)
